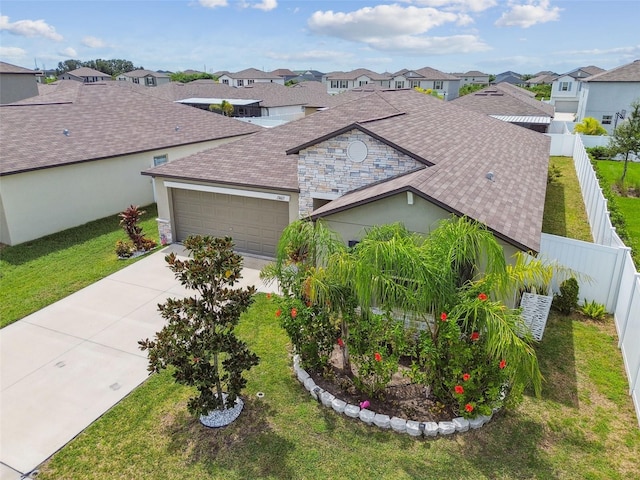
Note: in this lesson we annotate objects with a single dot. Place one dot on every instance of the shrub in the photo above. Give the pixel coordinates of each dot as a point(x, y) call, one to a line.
point(599, 152)
point(553, 174)
point(567, 300)
point(124, 249)
point(129, 220)
point(594, 310)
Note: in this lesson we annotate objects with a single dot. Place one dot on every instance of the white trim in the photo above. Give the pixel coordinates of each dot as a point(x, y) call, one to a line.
point(325, 195)
point(228, 191)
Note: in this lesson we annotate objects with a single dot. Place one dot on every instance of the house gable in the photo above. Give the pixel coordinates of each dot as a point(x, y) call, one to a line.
point(345, 162)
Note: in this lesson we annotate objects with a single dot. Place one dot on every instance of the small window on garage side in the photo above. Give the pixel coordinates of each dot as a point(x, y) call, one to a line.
point(606, 119)
point(160, 160)
point(319, 202)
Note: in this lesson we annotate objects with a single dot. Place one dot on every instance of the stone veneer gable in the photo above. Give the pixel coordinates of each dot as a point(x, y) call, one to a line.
point(325, 171)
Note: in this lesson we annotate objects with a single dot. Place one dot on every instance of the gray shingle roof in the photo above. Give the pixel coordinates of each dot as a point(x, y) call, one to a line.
point(145, 73)
point(625, 73)
point(353, 74)
point(254, 73)
point(9, 68)
point(88, 72)
point(426, 73)
point(103, 120)
point(463, 145)
point(504, 99)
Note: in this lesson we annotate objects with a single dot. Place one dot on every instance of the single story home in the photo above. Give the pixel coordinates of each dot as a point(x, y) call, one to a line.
point(86, 75)
point(511, 104)
point(75, 154)
point(384, 157)
point(148, 78)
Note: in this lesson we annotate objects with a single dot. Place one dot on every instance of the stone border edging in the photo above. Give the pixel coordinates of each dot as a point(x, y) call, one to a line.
point(412, 428)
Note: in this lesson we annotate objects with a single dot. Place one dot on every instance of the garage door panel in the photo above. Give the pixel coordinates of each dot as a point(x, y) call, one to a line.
point(254, 224)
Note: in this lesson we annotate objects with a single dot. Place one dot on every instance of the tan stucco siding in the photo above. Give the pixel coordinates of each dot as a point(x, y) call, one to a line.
point(17, 87)
point(46, 201)
point(421, 217)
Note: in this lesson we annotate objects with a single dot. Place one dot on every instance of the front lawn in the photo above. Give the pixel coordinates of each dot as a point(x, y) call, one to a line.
point(40, 272)
point(584, 425)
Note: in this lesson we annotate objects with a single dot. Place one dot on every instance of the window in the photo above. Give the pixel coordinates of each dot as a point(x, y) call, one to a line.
point(160, 160)
point(414, 83)
point(606, 119)
point(362, 83)
point(150, 81)
point(225, 81)
point(565, 86)
point(339, 84)
point(344, 84)
point(437, 84)
point(240, 83)
point(136, 80)
point(249, 82)
point(399, 84)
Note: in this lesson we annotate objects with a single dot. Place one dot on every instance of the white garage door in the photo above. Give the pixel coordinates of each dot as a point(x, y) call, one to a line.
point(255, 224)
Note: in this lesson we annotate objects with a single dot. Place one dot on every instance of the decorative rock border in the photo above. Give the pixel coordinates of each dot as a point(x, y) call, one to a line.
point(410, 427)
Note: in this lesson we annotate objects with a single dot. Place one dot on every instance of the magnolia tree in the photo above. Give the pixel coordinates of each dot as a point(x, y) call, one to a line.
point(198, 339)
point(440, 301)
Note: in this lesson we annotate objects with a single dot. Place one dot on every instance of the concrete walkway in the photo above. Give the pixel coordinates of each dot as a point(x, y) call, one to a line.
point(67, 364)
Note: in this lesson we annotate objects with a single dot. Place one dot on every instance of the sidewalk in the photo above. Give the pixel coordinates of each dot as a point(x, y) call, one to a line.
point(67, 364)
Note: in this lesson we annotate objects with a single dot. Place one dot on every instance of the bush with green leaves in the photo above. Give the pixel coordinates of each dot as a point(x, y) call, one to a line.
point(198, 340)
point(593, 310)
point(129, 220)
point(566, 300)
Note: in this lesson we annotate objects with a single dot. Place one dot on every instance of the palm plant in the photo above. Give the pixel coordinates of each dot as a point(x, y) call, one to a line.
point(590, 126)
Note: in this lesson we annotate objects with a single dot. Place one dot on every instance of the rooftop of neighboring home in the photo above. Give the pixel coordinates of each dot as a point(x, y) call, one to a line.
point(427, 73)
point(505, 99)
point(253, 73)
point(544, 78)
point(145, 73)
point(584, 72)
point(76, 122)
point(624, 73)
point(354, 74)
point(473, 165)
point(470, 73)
point(87, 72)
point(9, 68)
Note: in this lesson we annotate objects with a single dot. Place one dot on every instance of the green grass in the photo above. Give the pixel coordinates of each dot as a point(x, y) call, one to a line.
point(37, 273)
point(564, 211)
point(583, 426)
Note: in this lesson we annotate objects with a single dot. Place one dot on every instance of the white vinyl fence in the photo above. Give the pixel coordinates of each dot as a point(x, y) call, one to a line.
point(608, 274)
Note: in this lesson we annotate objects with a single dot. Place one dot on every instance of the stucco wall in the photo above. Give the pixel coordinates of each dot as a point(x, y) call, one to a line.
point(607, 98)
point(46, 201)
point(17, 86)
point(325, 170)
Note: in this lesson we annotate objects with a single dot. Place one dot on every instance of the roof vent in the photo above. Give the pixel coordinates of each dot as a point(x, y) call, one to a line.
point(491, 176)
point(177, 128)
point(66, 132)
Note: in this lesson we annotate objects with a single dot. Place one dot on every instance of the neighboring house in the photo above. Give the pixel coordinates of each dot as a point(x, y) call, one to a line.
point(510, 104)
point(565, 90)
point(147, 78)
point(75, 154)
point(85, 75)
point(607, 96)
point(429, 79)
point(249, 77)
point(17, 83)
point(285, 73)
point(338, 82)
point(358, 164)
point(542, 79)
point(308, 76)
point(472, 77)
point(509, 77)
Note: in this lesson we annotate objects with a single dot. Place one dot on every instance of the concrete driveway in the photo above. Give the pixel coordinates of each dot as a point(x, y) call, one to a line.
point(67, 364)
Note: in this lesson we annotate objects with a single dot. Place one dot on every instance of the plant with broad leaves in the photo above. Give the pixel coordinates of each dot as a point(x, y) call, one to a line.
point(199, 339)
point(129, 220)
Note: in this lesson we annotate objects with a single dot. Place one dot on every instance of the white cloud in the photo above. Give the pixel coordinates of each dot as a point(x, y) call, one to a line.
point(69, 53)
point(463, 5)
point(12, 52)
point(413, 45)
point(631, 50)
point(529, 14)
point(30, 28)
point(213, 3)
point(383, 21)
point(266, 5)
point(93, 42)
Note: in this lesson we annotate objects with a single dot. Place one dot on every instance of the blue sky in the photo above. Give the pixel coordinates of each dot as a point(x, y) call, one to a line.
point(492, 36)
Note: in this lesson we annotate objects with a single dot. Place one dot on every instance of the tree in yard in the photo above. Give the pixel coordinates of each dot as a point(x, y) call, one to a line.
point(590, 126)
point(626, 137)
point(225, 108)
point(199, 339)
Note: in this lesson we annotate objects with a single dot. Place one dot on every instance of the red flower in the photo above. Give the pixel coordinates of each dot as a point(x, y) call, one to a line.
point(443, 316)
point(268, 296)
point(475, 336)
point(459, 390)
point(482, 296)
point(468, 407)
point(503, 363)
point(340, 343)
point(378, 357)
point(278, 312)
point(294, 313)
point(466, 376)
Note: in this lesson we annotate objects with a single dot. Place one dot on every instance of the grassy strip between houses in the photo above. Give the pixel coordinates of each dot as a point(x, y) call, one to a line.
point(564, 211)
point(37, 273)
point(629, 207)
point(583, 427)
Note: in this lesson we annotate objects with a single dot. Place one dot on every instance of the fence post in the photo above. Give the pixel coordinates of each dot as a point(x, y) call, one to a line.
point(627, 315)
